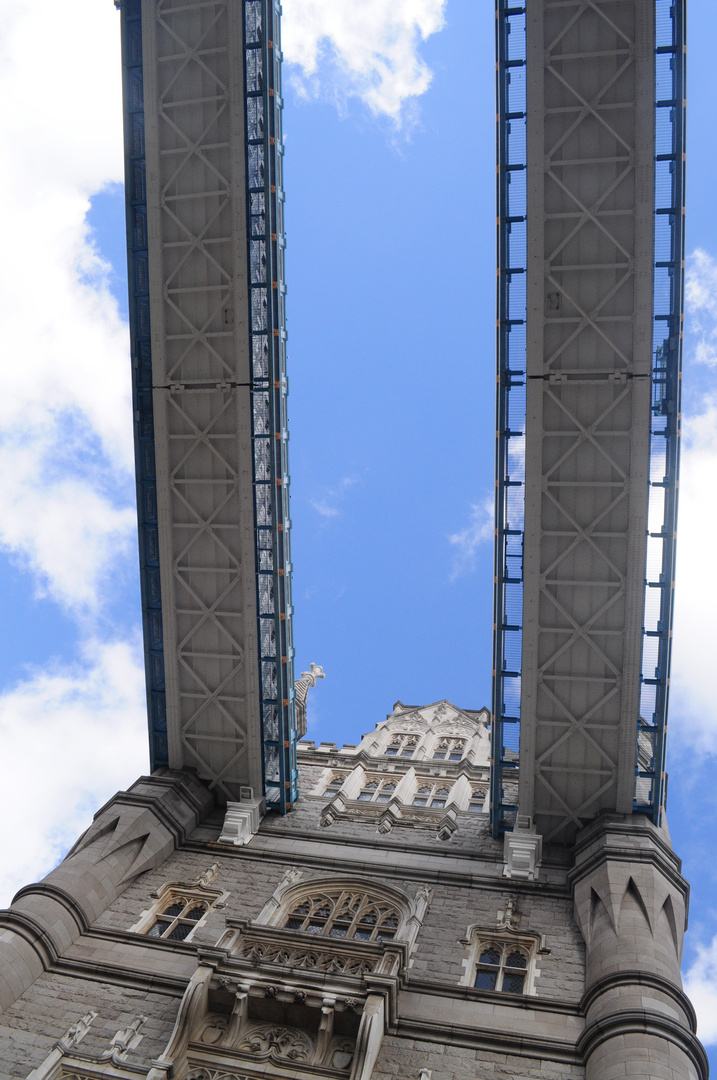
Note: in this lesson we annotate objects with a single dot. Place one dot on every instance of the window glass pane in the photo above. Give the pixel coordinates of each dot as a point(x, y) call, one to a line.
point(315, 927)
point(180, 932)
point(438, 802)
point(294, 924)
point(365, 796)
point(420, 801)
point(157, 929)
point(490, 956)
point(339, 930)
point(455, 756)
point(363, 935)
point(516, 960)
point(174, 909)
point(440, 755)
point(486, 980)
point(383, 798)
point(196, 912)
point(391, 750)
point(513, 983)
point(408, 752)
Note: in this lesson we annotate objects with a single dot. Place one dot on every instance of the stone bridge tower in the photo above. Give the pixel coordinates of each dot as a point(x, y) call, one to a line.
point(463, 892)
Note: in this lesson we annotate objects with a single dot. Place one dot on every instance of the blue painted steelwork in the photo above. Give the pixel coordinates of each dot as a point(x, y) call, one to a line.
point(650, 778)
point(264, 193)
point(510, 418)
point(138, 278)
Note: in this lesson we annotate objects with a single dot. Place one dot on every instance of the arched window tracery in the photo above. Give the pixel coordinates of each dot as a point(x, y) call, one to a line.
point(344, 913)
point(377, 791)
point(178, 918)
point(502, 966)
point(334, 784)
point(402, 746)
point(434, 796)
point(449, 750)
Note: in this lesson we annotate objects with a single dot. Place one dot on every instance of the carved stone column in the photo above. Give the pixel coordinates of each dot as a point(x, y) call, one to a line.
point(631, 904)
point(135, 831)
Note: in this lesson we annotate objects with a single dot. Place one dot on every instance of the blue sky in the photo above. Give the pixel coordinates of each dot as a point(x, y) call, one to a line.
point(390, 226)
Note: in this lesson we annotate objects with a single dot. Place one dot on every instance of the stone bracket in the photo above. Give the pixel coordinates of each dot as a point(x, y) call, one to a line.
point(242, 820)
point(522, 850)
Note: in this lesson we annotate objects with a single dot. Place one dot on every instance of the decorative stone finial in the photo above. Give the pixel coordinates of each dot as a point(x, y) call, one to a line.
point(301, 688)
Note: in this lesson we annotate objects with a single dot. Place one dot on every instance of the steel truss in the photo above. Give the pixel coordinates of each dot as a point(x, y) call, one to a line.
point(202, 84)
point(578, 159)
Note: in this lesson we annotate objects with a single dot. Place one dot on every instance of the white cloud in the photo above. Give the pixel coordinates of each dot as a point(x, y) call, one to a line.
point(65, 421)
point(701, 305)
point(692, 706)
point(70, 735)
point(701, 988)
point(326, 505)
point(466, 542)
point(86, 727)
point(368, 50)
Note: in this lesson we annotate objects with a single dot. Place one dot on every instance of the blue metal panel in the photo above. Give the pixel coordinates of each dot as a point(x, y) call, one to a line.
point(668, 303)
point(264, 194)
point(510, 416)
point(138, 278)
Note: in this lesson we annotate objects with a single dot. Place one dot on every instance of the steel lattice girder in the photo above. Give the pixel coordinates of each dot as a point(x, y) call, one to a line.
point(588, 116)
point(202, 106)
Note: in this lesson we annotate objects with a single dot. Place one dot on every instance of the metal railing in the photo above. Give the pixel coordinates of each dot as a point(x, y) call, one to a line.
point(510, 416)
point(265, 225)
point(668, 302)
point(141, 354)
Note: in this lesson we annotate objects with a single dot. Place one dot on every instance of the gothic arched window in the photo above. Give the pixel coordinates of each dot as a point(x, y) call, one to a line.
point(180, 907)
point(432, 795)
point(450, 749)
point(477, 801)
point(377, 791)
point(178, 918)
point(344, 913)
point(402, 746)
point(334, 785)
point(503, 964)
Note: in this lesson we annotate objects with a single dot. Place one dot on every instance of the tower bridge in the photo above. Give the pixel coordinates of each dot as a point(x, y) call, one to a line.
point(461, 892)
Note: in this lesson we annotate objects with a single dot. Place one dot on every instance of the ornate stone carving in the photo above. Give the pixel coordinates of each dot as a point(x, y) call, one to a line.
point(123, 1041)
point(306, 959)
point(216, 1074)
point(275, 1043)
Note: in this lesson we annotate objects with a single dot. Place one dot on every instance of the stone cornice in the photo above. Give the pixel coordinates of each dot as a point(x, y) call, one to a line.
point(614, 836)
point(120, 975)
point(628, 854)
point(493, 1039)
point(31, 931)
point(640, 978)
point(470, 993)
point(643, 1022)
point(417, 871)
point(61, 896)
point(190, 790)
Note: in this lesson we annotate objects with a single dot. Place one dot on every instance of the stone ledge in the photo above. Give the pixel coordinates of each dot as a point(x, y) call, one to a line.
point(643, 1022)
